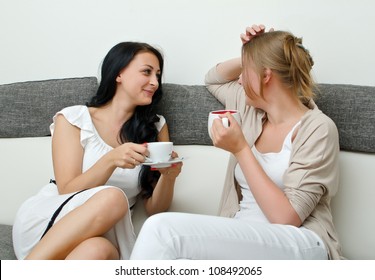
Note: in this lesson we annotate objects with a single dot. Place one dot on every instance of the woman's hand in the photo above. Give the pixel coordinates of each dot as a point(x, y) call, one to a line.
point(129, 155)
point(173, 171)
point(229, 138)
point(253, 31)
point(163, 192)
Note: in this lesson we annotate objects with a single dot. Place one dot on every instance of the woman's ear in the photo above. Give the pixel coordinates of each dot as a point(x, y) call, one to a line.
point(267, 74)
point(118, 78)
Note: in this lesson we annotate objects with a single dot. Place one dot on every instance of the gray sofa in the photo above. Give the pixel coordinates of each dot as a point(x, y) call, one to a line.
point(26, 110)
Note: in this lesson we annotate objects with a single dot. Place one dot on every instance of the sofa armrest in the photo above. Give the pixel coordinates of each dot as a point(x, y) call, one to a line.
point(353, 206)
point(25, 166)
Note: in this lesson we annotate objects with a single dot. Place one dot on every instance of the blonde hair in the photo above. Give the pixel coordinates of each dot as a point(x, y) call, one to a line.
point(285, 55)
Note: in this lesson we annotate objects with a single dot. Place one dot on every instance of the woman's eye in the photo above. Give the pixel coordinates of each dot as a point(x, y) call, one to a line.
point(147, 71)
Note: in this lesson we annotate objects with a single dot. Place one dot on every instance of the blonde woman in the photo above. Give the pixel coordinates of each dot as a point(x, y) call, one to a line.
point(283, 170)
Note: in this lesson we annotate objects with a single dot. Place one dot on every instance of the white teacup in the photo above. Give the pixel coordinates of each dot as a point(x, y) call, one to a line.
point(215, 115)
point(160, 151)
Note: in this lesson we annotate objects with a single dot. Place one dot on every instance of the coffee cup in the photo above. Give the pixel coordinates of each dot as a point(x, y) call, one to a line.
point(160, 151)
point(216, 114)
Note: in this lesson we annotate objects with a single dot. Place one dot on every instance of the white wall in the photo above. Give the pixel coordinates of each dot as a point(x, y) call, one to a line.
point(43, 39)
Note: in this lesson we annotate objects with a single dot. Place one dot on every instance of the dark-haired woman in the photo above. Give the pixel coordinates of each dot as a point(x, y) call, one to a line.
point(98, 151)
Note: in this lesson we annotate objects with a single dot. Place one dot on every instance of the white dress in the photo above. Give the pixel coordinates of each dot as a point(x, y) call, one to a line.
point(35, 213)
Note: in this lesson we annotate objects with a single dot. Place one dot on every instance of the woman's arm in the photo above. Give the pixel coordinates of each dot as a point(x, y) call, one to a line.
point(67, 156)
point(222, 80)
point(229, 70)
point(163, 191)
point(272, 200)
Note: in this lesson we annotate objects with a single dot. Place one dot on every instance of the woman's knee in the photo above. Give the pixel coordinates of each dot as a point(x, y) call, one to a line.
point(161, 225)
point(160, 237)
point(156, 220)
point(112, 200)
point(95, 248)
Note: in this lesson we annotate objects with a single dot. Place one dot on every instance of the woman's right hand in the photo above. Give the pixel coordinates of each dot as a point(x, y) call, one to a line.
point(253, 31)
point(129, 155)
point(229, 138)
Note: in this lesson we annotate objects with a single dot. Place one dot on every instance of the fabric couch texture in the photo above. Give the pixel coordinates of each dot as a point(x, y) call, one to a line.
point(26, 111)
point(27, 107)
point(352, 108)
point(6, 247)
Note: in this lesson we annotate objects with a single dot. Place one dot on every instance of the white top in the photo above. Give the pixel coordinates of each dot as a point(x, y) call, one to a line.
point(95, 147)
point(274, 165)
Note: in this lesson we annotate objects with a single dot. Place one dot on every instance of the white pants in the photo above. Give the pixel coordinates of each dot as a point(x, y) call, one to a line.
point(192, 236)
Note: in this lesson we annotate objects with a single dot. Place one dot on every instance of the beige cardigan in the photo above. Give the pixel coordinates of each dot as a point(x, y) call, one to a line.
point(311, 179)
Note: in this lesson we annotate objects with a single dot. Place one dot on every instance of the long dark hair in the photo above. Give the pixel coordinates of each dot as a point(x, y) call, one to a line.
point(140, 128)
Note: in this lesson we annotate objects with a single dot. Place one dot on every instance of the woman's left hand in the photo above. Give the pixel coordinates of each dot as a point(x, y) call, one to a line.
point(229, 138)
point(172, 171)
point(252, 31)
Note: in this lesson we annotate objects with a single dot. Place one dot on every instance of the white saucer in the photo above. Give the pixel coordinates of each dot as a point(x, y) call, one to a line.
point(162, 164)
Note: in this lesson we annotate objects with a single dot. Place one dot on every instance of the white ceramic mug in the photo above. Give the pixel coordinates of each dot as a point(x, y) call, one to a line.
point(215, 114)
point(160, 151)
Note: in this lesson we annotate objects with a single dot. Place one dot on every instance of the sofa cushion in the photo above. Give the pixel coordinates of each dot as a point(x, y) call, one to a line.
point(351, 107)
point(186, 110)
point(27, 108)
point(6, 246)
point(356, 126)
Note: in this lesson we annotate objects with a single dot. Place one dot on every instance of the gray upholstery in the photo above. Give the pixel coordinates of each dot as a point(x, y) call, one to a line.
point(26, 110)
point(186, 110)
point(6, 247)
point(352, 108)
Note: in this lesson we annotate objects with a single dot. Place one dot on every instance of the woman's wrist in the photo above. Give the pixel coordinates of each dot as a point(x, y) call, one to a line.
point(168, 178)
point(243, 152)
point(110, 161)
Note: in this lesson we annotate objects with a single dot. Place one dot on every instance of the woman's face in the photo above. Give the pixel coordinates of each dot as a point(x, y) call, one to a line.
point(140, 79)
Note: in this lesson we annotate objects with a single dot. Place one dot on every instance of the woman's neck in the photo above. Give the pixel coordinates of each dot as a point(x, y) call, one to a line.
point(118, 111)
point(282, 108)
